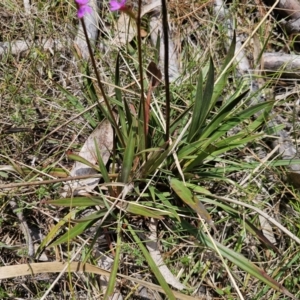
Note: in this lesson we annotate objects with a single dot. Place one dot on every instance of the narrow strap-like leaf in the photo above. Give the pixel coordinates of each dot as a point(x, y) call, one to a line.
point(128, 156)
point(152, 264)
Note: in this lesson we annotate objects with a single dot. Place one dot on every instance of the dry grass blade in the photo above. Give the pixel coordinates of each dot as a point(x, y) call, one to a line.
point(55, 267)
point(266, 216)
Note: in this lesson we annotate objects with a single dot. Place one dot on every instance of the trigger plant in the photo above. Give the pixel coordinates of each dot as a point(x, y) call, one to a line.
point(175, 147)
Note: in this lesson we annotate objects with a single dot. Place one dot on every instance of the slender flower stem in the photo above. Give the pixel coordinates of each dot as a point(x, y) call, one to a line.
point(138, 24)
point(111, 115)
point(166, 65)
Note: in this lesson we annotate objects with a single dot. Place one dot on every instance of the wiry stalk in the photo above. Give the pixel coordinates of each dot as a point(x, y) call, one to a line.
point(166, 65)
point(115, 125)
point(138, 24)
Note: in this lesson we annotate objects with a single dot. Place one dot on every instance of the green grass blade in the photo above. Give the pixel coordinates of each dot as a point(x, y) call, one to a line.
point(152, 264)
point(202, 104)
point(190, 149)
point(167, 205)
point(117, 79)
point(102, 167)
point(113, 273)
point(237, 259)
point(208, 92)
point(236, 120)
point(139, 210)
point(208, 146)
point(128, 156)
point(237, 140)
point(180, 119)
point(157, 50)
point(154, 161)
point(216, 150)
point(94, 216)
point(187, 197)
point(73, 232)
point(54, 230)
point(196, 116)
point(83, 160)
point(76, 201)
point(221, 115)
point(91, 95)
point(219, 87)
point(101, 164)
point(76, 103)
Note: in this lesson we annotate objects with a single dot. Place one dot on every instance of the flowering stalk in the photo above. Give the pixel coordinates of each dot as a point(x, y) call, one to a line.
point(139, 44)
point(166, 66)
point(82, 9)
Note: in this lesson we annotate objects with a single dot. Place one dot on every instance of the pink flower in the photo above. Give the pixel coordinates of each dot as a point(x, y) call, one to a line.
point(83, 8)
point(117, 5)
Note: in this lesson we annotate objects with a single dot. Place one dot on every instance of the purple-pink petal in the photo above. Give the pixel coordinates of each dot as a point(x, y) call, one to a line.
point(82, 10)
point(116, 5)
point(81, 2)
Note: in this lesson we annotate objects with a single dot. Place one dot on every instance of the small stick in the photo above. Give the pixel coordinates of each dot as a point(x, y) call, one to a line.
point(32, 183)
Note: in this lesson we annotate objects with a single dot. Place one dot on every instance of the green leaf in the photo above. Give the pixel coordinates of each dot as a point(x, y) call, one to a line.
point(54, 230)
point(92, 94)
point(83, 160)
point(196, 109)
point(236, 258)
point(182, 191)
point(187, 197)
point(203, 149)
point(157, 48)
point(73, 232)
point(237, 140)
point(190, 149)
point(113, 274)
point(222, 80)
point(202, 104)
point(90, 88)
point(180, 119)
point(155, 161)
point(128, 156)
point(76, 201)
point(102, 167)
point(213, 151)
point(117, 79)
point(222, 114)
point(208, 92)
point(198, 189)
point(152, 265)
point(167, 205)
point(94, 216)
point(140, 210)
point(234, 121)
